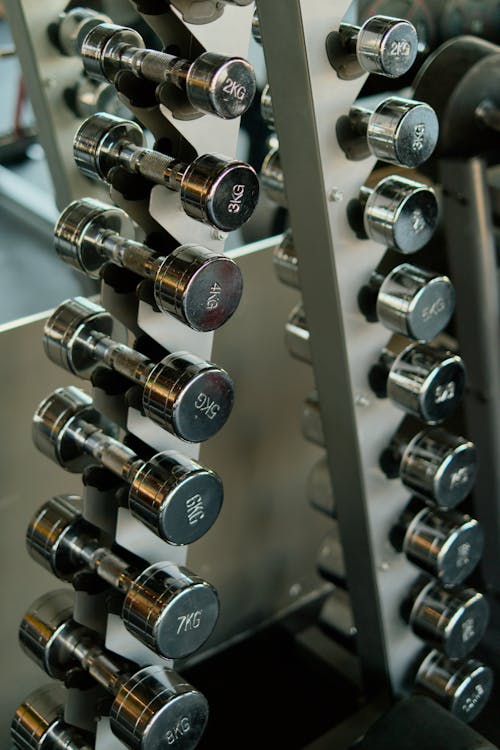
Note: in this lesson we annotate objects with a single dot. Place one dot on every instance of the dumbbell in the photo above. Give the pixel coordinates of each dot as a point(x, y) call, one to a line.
point(166, 607)
point(184, 394)
point(399, 131)
point(152, 707)
point(434, 464)
point(213, 84)
point(463, 687)
point(451, 620)
point(426, 382)
point(71, 25)
point(38, 723)
point(445, 544)
point(174, 496)
point(383, 45)
point(213, 189)
point(86, 97)
point(266, 107)
point(197, 286)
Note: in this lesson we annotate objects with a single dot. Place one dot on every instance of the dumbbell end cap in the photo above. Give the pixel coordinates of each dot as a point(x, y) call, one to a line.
point(396, 48)
point(96, 141)
point(222, 86)
point(466, 629)
point(456, 476)
point(461, 553)
point(431, 309)
point(442, 390)
point(203, 405)
point(187, 621)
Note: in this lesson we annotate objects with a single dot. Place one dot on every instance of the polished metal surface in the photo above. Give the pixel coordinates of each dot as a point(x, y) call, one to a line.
point(214, 189)
point(272, 177)
point(72, 24)
point(463, 687)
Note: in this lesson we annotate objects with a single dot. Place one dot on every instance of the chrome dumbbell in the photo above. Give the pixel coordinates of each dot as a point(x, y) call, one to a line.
point(445, 544)
point(71, 25)
point(152, 706)
point(174, 496)
point(451, 620)
point(213, 189)
point(426, 382)
point(166, 607)
point(86, 97)
point(184, 394)
point(38, 723)
point(213, 84)
point(399, 213)
point(399, 131)
point(409, 301)
point(383, 45)
point(463, 687)
point(197, 286)
point(434, 464)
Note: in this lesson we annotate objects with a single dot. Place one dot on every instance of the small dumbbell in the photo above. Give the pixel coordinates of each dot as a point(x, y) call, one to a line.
point(213, 189)
point(174, 496)
point(383, 45)
point(199, 287)
point(152, 706)
point(451, 620)
point(445, 544)
point(213, 84)
point(399, 213)
point(410, 301)
point(71, 25)
point(86, 97)
point(463, 687)
point(166, 607)
point(38, 723)
point(434, 464)
point(426, 382)
point(184, 394)
point(399, 131)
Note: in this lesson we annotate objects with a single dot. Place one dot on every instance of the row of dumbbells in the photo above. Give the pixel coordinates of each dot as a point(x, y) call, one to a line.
point(424, 380)
point(167, 608)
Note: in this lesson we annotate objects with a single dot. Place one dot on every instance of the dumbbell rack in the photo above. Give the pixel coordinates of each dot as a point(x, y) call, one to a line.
point(308, 100)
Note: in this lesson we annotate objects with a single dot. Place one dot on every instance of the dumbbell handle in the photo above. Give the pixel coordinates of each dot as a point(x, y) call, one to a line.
point(109, 452)
point(118, 357)
point(152, 165)
point(150, 64)
point(130, 254)
point(86, 551)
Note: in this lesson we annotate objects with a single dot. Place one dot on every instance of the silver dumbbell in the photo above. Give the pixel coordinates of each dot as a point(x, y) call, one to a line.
point(174, 496)
point(383, 45)
point(213, 189)
point(424, 381)
point(463, 687)
point(166, 607)
point(152, 706)
point(399, 131)
point(213, 84)
point(184, 394)
point(86, 97)
point(400, 213)
point(38, 723)
point(199, 287)
point(71, 25)
point(410, 301)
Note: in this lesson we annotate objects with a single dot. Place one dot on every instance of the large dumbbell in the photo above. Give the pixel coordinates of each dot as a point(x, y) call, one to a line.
point(213, 84)
point(184, 394)
point(213, 189)
point(152, 706)
point(38, 723)
point(434, 464)
point(166, 607)
point(463, 687)
point(197, 286)
point(383, 45)
point(174, 496)
point(426, 382)
point(399, 131)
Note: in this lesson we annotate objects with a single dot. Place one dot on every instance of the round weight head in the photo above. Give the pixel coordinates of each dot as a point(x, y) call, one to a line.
point(387, 46)
point(198, 286)
point(50, 532)
point(174, 496)
point(42, 629)
point(68, 330)
point(79, 229)
point(443, 389)
point(188, 396)
point(101, 49)
point(461, 553)
point(403, 132)
point(52, 422)
point(97, 144)
point(75, 23)
point(467, 625)
point(39, 718)
point(456, 474)
point(219, 191)
point(170, 610)
point(156, 708)
point(220, 85)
